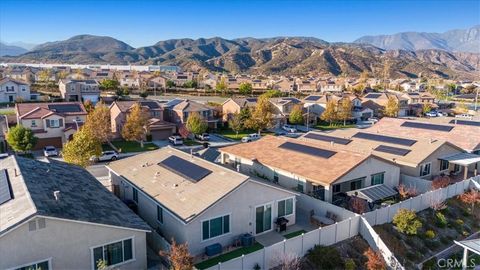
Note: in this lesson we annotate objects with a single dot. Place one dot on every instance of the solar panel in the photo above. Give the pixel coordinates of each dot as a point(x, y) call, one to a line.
point(383, 138)
point(376, 95)
point(313, 98)
point(467, 123)
point(251, 99)
point(320, 137)
point(6, 193)
point(427, 126)
point(65, 108)
point(150, 104)
point(392, 150)
point(309, 150)
point(184, 168)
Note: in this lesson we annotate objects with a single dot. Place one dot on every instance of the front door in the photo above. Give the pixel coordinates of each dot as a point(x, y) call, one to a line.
point(10, 99)
point(263, 218)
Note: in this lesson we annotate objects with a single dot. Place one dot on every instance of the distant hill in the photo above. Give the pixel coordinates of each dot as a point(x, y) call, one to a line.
point(11, 50)
point(462, 40)
point(279, 55)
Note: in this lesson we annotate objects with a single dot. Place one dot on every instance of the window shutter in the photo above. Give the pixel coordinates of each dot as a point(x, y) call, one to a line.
point(47, 122)
point(60, 122)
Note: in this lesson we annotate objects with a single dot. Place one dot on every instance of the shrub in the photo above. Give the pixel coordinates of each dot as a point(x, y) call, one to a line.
point(350, 264)
point(440, 182)
point(432, 245)
point(325, 257)
point(407, 221)
point(459, 222)
point(430, 264)
point(374, 260)
point(445, 240)
point(441, 220)
point(430, 234)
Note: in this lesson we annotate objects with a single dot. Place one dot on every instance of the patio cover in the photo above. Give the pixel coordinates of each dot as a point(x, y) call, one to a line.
point(472, 245)
point(373, 193)
point(462, 159)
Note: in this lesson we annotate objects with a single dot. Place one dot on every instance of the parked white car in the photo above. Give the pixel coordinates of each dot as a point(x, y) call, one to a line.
point(373, 120)
point(50, 151)
point(203, 137)
point(106, 156)
point(432, 114)
point(465, 115)
point(289, 128)
point(251, 137)
point(175, 140)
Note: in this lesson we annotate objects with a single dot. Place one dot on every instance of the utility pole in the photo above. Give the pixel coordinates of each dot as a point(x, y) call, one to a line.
point(476, 95)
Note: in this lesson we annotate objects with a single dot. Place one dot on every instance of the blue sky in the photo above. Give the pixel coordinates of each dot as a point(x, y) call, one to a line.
point(142, 23)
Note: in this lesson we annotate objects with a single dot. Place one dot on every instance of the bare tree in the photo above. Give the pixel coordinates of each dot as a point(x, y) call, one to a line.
point(286, 261)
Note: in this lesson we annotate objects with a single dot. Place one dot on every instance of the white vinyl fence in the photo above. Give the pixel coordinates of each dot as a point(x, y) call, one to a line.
point(269, 257)
point(351, 225)
point(420, 184)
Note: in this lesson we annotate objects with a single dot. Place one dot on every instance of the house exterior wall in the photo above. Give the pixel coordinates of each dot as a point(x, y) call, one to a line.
point(294, 182)
point(14, 90)
point(50, 132)
point(240, 205)
point(117, 119)
point(67, 244)
point(229, 108)
point(443, 151)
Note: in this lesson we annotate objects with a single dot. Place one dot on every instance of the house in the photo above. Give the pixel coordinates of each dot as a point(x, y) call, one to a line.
point(316, 169)
point(178, 110)
point(157, 128)
point(158, 82)
point(235, 105)
point(49, 221)
point(53, 123)
point(282, 107)
point(130, 80)
point(12, 90)
point(330, 87)
point(381, 100)
point(284, 85)
point(79, 90)
point(419, 157)
point(314, 105)
point(191, 200)
point(306, 85)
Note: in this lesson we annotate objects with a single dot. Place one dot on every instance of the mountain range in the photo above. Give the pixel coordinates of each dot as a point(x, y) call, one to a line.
point(12, 50)
point(460, 40)
point(279, 55)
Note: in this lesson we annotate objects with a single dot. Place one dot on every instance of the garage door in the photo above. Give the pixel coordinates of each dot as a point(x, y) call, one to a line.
point(56, 141)
point(161, 134)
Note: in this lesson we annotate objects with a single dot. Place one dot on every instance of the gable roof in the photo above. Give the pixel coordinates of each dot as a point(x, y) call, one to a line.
point(8, 79)
point(184, 198)
point(190, 106)
point(39, 110)
point(85, 199)
point(126, 105)
point(324, 171)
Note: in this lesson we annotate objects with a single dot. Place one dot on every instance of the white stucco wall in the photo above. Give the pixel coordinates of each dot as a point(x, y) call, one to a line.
point(68, 245)
point(22, 91)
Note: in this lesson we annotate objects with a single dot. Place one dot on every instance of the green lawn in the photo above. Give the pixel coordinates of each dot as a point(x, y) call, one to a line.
point(228, 133)
point(327, 126)
point(129, 147)
point(190, 142)
point(228, 256)
point(7, 112)
point(294, 234)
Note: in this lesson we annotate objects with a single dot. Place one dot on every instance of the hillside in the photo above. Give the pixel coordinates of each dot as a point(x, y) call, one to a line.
point(11, 50)
point(461, 40)
point(280, 55)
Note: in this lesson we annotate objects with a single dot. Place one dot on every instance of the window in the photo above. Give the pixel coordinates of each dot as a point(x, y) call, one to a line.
point(113, 253)
point(336, 188)
point(456, 168)
point(356, 184)
point(444, 165)
point(34, 124)
point(23, 89)
point(35, 266)
point(54, 123)
point(275, 177)
point(135, 195)
point(377, 178)
point(215, 227)
point(300, 186)
point(425, 169)
point(159, 214)
point(285, 207)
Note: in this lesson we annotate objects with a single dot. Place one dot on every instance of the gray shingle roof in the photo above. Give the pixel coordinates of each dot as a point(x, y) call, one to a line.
point(82, 197)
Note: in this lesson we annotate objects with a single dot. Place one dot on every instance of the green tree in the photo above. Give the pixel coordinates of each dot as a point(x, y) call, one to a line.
point(406, 221)
point(330, 113)
point(235, 123)
point(143, 94)
point(109, 84)
point(82, 148)
point(245, 114)
point(245, 88)
point(392, 108)
point(135, 126)
point(222, 86)
point(98, 121)
point(88, 105)
point(21, 139)
point(170, 84)
point(345, 110)
point(262, 116)
point(62, 75)
point(44, 76)
point(190, 84)
point(122, 91)
point(296, 115)
point(272, 93)
point(196, 124)
point(426, 108)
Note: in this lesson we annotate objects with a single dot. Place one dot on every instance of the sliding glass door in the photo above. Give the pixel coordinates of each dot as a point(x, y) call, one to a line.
point(263, 218)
